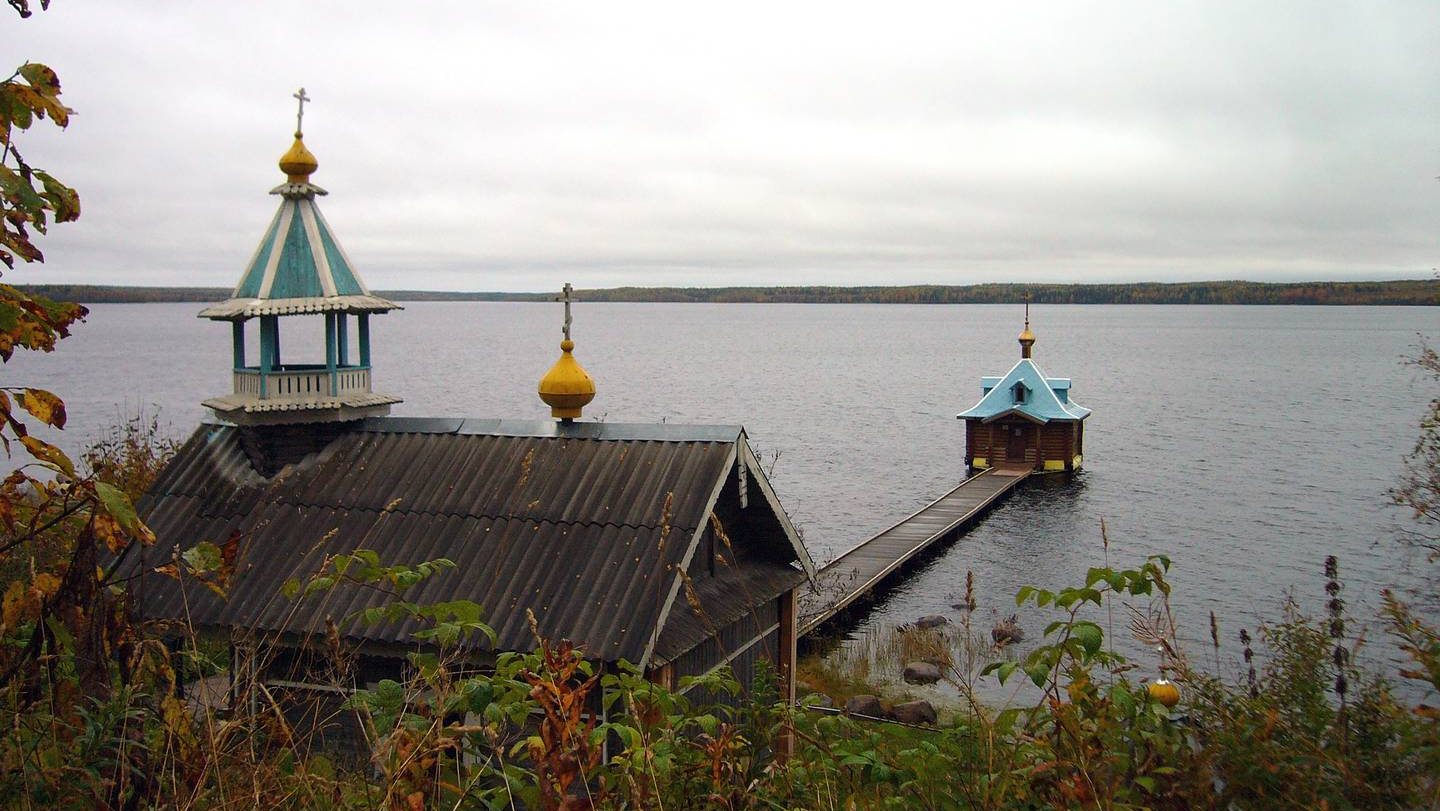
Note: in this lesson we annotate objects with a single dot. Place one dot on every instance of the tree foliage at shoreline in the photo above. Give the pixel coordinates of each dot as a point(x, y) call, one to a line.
point(1406, 292)
point(65, 633)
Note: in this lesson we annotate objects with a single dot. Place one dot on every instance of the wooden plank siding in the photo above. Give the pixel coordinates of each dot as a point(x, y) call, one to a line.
point(766, 634)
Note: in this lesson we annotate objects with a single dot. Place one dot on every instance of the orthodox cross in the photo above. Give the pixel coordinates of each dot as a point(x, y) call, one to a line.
point(300, 115)
point(567, 298)
point(1027, 310)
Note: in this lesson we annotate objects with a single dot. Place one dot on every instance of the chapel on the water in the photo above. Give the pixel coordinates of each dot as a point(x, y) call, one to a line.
point(1025, 419)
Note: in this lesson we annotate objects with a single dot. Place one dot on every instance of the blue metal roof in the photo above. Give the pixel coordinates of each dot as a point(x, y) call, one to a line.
point(1045, 398)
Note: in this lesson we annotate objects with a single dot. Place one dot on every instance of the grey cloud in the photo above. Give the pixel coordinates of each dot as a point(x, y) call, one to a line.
point(502, 146)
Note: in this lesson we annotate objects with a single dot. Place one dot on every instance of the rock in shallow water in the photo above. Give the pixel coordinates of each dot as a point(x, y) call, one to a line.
point(916, 712)
point(1006, 631)
point(921, 673)
point(865, 705)
point(932, 621)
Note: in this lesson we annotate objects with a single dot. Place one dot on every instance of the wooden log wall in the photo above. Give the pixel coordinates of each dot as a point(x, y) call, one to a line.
point(1054, 442)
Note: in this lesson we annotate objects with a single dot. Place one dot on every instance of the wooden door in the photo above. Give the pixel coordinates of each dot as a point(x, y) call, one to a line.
point(1015, 445)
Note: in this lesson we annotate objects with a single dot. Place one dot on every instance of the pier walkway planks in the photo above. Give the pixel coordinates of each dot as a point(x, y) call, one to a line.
point(853, 574)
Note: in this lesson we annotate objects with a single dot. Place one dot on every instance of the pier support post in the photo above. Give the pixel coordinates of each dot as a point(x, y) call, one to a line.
point(785, 744)
point(786, 671)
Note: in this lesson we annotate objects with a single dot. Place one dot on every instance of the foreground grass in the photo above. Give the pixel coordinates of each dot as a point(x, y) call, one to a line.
point(1310, 727)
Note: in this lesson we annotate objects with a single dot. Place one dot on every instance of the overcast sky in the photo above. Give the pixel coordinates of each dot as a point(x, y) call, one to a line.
point(514, 146)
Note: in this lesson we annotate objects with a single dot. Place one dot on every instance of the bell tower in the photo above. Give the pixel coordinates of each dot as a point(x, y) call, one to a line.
point(300, 275)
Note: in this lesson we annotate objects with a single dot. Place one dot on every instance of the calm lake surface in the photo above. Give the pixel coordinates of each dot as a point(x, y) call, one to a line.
point(1245, 442)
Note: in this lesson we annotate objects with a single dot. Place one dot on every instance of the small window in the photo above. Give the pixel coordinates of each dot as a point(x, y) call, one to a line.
point(1020, 391)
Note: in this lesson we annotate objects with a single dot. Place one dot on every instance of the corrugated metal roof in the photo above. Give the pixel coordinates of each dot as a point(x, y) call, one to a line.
point(668, 432)
point(568, 526)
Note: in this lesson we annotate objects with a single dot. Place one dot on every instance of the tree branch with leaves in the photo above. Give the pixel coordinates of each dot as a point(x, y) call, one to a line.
point(57, 521)
point(1419, 487)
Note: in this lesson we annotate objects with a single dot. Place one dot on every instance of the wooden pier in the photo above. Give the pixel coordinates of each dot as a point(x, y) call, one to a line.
point(867, 566)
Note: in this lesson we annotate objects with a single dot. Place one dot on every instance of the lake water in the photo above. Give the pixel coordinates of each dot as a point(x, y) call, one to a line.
point(1245, 442)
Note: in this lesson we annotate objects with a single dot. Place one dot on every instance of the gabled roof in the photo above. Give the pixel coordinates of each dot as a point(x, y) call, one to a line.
point(299, 267)
point(1041, 403)
point(587, 525)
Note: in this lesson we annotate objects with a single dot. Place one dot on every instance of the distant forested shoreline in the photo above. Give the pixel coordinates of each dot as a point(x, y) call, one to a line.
point(1414, 292)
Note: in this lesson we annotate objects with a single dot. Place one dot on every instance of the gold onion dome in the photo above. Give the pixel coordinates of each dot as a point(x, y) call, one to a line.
point(298, 164)
point(1164, 691)
point(1027, 338)
point(567, 387)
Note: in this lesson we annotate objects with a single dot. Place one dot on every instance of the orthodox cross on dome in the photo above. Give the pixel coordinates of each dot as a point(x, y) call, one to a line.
point(300, 113)
point(568, 299)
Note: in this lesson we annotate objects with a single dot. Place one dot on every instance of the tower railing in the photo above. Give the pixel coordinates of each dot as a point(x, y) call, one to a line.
point(301, 381)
